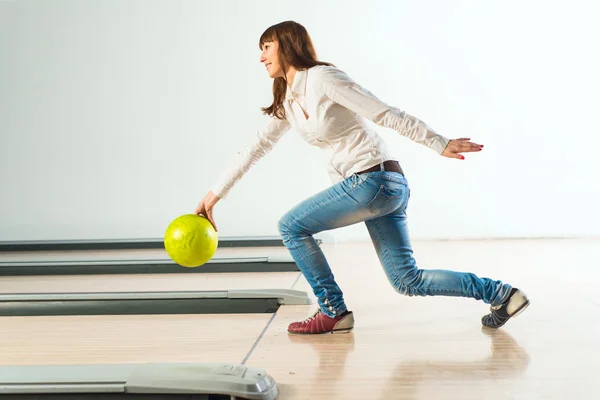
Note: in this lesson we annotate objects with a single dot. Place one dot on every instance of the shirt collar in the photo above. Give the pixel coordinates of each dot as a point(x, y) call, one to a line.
point(298, 86)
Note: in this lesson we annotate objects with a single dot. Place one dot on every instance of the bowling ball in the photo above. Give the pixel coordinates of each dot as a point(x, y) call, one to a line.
point(191, 240)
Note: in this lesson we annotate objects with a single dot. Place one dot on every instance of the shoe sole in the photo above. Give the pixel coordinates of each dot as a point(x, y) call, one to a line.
point(339, 331)
point(520, 309)
point(514, 315)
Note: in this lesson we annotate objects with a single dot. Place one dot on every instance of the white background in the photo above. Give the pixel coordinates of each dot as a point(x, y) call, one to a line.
point(118, 115)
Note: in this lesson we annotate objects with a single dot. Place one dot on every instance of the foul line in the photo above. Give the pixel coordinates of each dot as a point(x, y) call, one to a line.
point(266, 327)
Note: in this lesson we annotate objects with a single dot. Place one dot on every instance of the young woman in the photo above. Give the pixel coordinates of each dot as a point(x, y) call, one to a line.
point(326, 107)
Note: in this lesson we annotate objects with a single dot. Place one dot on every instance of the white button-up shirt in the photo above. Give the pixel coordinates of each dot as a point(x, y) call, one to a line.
point(326, 107)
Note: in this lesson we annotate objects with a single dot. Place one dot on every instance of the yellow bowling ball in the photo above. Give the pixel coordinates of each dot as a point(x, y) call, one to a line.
point(191, 240)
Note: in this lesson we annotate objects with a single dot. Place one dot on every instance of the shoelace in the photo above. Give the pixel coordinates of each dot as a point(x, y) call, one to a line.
point(494, 319)
point(309, 320)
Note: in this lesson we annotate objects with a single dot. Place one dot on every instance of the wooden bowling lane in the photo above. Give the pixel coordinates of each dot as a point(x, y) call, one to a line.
point(128, 339)
point(435, 347)
point(146, 282)
point(121, 339)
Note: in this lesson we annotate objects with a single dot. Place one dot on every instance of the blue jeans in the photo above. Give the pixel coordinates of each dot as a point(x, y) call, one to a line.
point(379, 199)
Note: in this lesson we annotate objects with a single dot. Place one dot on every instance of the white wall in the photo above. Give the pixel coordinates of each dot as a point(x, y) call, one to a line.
point(118, 115)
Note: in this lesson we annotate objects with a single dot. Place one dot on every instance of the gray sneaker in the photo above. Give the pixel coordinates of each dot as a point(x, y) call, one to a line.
point(517, 303)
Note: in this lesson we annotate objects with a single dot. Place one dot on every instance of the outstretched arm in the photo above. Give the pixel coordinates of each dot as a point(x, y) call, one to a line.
point(340, 88)
point(264, 141)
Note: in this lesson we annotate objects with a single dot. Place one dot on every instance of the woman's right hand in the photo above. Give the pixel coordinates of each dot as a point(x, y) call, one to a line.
point(205, 207)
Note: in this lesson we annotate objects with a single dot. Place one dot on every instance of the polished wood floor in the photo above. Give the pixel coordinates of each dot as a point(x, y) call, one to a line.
point(401, 348)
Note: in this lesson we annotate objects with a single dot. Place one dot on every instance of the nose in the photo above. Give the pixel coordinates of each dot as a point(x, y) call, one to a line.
point(262, 57)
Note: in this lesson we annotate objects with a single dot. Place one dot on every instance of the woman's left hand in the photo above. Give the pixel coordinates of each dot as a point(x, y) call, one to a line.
point(462, 145)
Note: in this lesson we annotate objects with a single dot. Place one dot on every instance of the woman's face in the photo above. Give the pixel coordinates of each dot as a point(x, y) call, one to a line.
point(271, 60)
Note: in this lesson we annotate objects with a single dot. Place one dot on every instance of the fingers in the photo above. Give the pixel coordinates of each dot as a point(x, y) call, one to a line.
point(455, 155)
point(209, 216)
point(461, 145)
point(206, 213)
point(465, 146)
point(212, 221)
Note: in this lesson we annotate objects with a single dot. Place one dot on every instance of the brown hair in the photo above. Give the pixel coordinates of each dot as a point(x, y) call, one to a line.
point(295, 49)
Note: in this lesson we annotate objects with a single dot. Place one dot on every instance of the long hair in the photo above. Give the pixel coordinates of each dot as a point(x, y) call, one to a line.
point(295, 49)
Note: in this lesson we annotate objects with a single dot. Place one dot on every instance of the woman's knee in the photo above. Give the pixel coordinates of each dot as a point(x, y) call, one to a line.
point(407, 280)
point(283, 225)
point(406, 290)
point(287, 224)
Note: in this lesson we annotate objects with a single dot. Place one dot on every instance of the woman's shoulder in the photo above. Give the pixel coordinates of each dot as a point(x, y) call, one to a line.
point(325, 73)
point(323, 69)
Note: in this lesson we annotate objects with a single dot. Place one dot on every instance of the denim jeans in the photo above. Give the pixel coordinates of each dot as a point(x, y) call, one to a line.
point(379, 199)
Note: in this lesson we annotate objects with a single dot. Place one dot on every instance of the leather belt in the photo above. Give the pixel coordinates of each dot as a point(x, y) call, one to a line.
point(390, 165)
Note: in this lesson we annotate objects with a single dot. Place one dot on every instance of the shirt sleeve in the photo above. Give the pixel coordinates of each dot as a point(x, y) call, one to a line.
point(263, 142)
point(340, 88)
